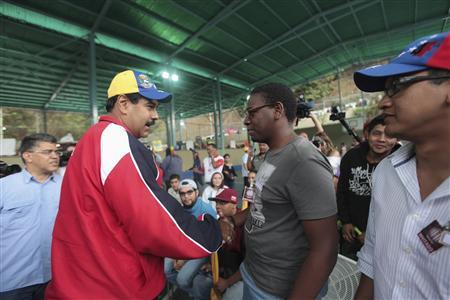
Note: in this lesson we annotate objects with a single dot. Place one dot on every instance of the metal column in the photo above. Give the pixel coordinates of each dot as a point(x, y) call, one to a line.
point(216, 136)
point(44, 113)
point(339, 89)
point(173, 129)
point(221, 143)
point(92, 79)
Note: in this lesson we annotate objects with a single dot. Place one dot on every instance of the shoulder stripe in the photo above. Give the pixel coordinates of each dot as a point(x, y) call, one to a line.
point(165, 209)
point(114, 145)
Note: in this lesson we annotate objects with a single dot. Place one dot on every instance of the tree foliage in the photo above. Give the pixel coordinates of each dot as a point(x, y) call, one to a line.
point(21, 122)
point(316, 89)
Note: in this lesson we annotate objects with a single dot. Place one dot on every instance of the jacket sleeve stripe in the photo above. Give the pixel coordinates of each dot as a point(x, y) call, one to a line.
point(167, 212)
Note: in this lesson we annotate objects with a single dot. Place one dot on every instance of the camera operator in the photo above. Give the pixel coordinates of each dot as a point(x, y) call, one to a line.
point(28, 207)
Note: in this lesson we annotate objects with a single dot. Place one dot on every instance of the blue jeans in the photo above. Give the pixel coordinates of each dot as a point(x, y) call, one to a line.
point(253, 292)
point(203, 283)
point(184, 277)
point(32, 292)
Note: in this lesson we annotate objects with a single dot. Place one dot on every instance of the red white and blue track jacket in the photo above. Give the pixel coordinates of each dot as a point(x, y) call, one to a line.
point(115, 224)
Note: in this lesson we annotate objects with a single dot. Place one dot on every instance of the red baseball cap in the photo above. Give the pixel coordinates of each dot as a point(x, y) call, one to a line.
point(226, 195)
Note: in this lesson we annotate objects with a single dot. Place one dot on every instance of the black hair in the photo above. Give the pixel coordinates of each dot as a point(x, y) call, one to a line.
point(226, 154)
point(277, 92)
point(168, 151)
point(439, 72)
point(378, 120)
point(212, 144)
point(174, 176)
point(134, 98)
point(31, 141)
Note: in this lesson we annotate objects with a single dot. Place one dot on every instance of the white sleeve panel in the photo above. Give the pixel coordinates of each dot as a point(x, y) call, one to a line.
point(114, 145)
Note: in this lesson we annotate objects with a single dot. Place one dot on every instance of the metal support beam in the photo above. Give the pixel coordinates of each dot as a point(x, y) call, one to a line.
point(348, 43)
point(339, 88)
point(225, 13)
point(62, 84)
point(101, 15)
point(92, 80)
point(173, 134)
point(168, 130)
point(221, 143)
point(307, 24)
point(216, 131)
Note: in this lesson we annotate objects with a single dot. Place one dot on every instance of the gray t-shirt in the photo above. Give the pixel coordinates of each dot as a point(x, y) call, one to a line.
point(293, 184)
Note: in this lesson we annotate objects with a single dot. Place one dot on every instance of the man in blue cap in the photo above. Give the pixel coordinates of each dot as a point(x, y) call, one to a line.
point(406, 254)
point(115, 224)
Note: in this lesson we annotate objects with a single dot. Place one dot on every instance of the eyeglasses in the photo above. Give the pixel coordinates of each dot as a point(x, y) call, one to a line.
point(48, 152)
point(250, 112)
point(400, 83)
point(189, 193)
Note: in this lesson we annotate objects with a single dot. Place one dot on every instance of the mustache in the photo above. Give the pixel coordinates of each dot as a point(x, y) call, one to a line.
point(150, 123)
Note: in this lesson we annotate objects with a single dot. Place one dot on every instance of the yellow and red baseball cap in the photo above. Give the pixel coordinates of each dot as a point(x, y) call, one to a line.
point(130, 81)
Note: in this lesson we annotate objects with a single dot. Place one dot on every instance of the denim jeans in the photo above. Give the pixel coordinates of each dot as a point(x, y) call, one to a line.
point(203, 283)
point(32, 292)
point(253, 292)
point(184, 277)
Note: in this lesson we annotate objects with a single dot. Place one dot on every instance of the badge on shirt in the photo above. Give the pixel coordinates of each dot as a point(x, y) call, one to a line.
point(430, 236)
point(445, 235)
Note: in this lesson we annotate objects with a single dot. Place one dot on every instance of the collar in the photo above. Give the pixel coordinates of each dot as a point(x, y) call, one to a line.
point(27, 177)
point(402, 155)
point(111, 119)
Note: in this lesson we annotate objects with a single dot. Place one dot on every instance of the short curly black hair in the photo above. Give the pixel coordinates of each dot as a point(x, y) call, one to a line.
point(276, 92)
point(134, 98)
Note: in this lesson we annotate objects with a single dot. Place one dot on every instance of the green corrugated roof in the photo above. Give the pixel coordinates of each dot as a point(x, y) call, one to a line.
point(44, 44)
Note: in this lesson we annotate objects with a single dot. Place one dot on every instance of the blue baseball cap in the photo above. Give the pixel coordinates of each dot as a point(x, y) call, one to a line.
point(130, 81)
point(432, 51)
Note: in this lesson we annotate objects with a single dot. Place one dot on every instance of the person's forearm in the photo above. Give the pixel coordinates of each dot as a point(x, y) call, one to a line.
point(317, 124)
point(234, 278)
point(365, 289)
point(314, 273)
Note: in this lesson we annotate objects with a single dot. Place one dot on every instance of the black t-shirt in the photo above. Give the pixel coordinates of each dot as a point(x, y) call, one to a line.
point(354, 188)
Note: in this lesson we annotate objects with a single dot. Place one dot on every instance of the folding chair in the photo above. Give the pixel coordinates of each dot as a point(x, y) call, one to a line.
point(343, 280)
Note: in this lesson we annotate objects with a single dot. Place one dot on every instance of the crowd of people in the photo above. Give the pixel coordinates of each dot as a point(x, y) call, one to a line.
point(122, 225)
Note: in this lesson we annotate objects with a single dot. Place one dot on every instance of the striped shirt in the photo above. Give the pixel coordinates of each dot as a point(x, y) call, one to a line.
point(393, 255)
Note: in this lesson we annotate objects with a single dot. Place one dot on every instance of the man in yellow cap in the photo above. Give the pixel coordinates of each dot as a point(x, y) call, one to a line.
point(115, 224)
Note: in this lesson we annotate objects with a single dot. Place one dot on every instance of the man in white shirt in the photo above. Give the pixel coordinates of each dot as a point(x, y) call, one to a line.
point(212, 163)
point(406, 254)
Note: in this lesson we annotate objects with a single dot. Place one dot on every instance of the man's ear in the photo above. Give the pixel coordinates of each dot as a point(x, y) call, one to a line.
point(122, 104)
point(26, 156)
point(447, 87)
point(278, 111)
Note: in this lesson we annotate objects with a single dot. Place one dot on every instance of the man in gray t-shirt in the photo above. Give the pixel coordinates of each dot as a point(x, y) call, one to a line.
point(290, 232)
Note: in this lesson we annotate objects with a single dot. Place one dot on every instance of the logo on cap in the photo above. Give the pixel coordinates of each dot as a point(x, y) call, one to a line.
point(144, 81)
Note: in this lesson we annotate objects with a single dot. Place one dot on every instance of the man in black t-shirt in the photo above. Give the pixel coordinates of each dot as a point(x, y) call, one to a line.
point(354, 186)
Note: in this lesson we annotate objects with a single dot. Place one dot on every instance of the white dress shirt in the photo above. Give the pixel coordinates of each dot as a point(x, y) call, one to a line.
point(393, 255)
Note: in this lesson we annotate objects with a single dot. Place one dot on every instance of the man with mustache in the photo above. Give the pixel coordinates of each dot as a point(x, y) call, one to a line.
point(406, 252)
point(115, 223)
point(28, 206)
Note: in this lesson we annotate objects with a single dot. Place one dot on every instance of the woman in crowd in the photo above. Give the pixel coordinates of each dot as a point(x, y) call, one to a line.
point(217, 184)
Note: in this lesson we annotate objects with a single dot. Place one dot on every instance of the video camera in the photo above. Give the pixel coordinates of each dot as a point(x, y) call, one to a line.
point(338, 115)
point(304, 107)
point(6, 169)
